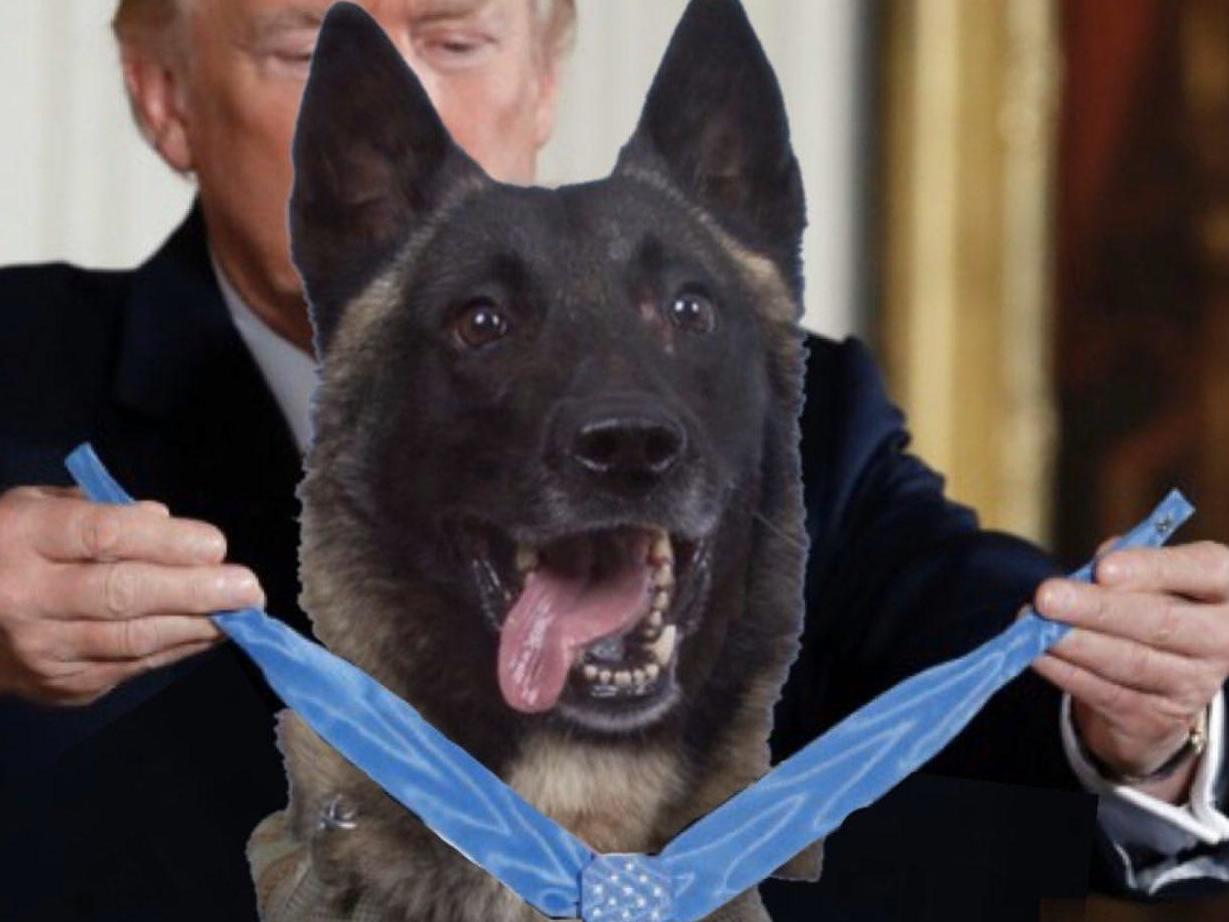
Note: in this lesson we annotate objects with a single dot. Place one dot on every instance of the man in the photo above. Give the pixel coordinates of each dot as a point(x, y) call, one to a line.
point(192, 376)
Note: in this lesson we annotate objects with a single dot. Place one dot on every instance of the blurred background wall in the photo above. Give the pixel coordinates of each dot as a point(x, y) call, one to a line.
point(1142, 301)
point(963, 243)
point(76, 180)
point(1049, 254)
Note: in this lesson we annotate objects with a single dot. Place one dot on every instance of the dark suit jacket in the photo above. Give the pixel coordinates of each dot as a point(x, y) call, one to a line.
point(139, 807)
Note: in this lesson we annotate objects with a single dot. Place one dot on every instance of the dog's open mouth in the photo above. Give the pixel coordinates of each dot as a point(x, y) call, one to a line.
point(587, 618)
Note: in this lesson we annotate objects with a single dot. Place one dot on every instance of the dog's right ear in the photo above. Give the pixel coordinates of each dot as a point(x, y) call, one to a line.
point(714, 122)
point(371, 160)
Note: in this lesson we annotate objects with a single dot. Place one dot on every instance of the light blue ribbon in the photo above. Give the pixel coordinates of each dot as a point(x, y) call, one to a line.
point(731, 849)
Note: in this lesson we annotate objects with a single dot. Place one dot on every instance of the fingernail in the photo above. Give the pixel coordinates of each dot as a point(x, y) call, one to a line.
point(239, 583)
point(209, 545)
point(1113, 570)
point(1057, 598)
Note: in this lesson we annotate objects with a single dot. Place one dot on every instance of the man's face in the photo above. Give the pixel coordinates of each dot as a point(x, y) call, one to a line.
point(481, 61)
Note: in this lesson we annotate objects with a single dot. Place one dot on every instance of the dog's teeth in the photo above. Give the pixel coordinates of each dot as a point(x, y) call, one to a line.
point(652, 670)
point(661, 552)
point(623, 678)
point(638, 676)
point(590, 671)
point(526, 558)
point(661, 601)
point(604, 676)
point(663, 576)
point(663, 647)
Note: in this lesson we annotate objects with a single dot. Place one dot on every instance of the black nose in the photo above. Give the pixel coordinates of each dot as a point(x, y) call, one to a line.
point(632, 446)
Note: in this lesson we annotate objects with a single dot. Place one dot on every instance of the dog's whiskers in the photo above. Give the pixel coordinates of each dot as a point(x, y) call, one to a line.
point(777, 530)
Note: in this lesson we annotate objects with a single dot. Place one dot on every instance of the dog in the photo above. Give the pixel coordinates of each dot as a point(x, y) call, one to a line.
point(554, 497)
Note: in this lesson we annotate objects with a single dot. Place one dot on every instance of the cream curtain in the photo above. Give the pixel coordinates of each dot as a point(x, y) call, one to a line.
point(968, 144)
point(76, 180)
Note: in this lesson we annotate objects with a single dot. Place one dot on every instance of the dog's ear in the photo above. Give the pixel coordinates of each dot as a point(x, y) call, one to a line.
point(714, 119)
point(371, 159)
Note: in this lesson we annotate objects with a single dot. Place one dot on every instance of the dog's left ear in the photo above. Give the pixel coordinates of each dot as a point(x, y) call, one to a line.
point(714, 119)
point(371, 160)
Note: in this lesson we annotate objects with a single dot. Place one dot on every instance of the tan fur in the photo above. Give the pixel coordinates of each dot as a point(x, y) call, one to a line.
point(611, 798)
point(615, 798)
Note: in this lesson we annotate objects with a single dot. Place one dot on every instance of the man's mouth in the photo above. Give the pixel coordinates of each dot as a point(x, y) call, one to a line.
point(587, 619)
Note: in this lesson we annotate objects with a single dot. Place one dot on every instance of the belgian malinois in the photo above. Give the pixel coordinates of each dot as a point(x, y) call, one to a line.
point(553, 499)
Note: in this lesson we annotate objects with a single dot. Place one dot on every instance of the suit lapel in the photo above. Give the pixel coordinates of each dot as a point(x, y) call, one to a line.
point(193, 422)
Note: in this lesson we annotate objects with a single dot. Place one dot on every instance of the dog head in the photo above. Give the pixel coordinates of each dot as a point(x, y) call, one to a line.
point(556, 429)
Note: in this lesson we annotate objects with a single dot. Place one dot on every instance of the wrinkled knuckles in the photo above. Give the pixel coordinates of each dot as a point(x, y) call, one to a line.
point(1096, 603)
point(138, 638)
point(1141, 661)
point(100, 533)
point(120, 590)
point(1167, 624)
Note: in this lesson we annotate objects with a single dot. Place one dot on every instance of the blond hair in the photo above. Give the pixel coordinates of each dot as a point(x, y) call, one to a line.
point(150, 21)
point(145, 22)
point(557, 20)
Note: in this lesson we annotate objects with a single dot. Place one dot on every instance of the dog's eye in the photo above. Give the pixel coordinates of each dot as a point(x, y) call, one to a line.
point(693, 312)
point(481, 323)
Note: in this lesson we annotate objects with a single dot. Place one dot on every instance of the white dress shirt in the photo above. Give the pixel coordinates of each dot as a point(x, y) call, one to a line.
point(1133, 819)
point(1129, 817)
point(288, 370)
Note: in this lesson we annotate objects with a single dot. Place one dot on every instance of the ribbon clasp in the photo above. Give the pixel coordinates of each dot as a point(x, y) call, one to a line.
point(625, 888)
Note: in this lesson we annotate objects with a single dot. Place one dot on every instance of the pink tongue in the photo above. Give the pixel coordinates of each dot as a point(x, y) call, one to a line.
point(555, 616)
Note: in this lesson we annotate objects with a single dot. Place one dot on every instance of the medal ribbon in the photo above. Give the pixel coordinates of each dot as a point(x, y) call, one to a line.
point(719, 856)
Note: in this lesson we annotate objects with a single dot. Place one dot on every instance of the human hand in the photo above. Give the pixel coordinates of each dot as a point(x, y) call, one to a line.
point(1148, 653)
point(91, 595)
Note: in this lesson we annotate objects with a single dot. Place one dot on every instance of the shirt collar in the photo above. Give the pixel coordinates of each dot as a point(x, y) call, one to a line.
point(289, 371)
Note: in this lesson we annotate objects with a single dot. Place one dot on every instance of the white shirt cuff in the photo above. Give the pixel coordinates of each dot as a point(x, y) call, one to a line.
point(1131, 817)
